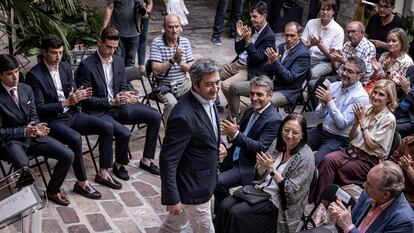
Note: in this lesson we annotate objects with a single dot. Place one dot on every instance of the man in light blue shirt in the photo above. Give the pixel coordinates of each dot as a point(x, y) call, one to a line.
point(335, 108)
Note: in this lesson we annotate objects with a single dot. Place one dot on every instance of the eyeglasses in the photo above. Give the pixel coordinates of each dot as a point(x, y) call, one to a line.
point(287, 131)
point(349, 71)
point(383, 6)
point(352, 31)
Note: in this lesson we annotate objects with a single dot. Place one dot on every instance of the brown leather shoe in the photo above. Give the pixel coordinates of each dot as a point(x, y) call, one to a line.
point(88, 191)
point(59, 198)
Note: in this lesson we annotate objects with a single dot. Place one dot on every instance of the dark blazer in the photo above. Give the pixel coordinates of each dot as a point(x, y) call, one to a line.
point(398, 217)
point(259, 138)
point(47, 101)
point(410, 96)
point(90, 74)
point(288, 76)
point(13, 120)
point(256, 58)
point(189, 154)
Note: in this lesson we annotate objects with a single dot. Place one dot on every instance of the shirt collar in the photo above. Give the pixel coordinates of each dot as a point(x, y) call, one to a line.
point(380, 114)
point(51, 68)
point(202, 101)
point(384, 205)
point(105, 61)
point(287, 50)
point(350, 88)
point(260, 31)
point(325, 27)
point(8, 89)
point(263, 109)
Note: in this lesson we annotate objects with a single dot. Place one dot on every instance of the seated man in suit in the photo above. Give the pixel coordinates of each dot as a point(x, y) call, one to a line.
point(289, 70)
point(111, 101)
point(250, 48)
point(336, 109)
point(382, 206)
point(257, 130)
point(58, 104)
point(404, 113)
point(21, 131)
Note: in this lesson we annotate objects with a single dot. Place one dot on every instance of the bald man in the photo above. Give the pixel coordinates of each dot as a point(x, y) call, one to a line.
point(171, 58)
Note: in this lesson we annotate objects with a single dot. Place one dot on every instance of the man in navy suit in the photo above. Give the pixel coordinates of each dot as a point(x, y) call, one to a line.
point(112, 101)
point(250, 47)
point(258, 129)
point(288, 66)
point(190, 153)
point(58, 104)
point(22, 133)
point(382, 206)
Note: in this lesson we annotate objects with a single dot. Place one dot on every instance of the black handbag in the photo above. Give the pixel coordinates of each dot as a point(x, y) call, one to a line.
point(251, 195)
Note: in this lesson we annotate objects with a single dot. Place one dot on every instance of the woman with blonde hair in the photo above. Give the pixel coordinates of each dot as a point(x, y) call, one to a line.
point(370, 139)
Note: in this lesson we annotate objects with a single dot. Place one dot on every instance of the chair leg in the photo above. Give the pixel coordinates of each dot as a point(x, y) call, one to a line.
point(3, 171)
point(90, 151)
point(41, 171)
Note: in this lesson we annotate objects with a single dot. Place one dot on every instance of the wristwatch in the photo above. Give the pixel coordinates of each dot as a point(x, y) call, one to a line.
point(272, 173)
point(363, 128)
point(171, 61)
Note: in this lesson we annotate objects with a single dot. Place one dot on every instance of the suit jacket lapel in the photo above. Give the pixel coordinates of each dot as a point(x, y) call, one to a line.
point(100, 69)
point(261, 36)
point(63, 81)
point(114, 77)
point(23, 100)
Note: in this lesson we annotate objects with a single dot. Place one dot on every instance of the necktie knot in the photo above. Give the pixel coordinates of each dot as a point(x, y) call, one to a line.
point(14, 96)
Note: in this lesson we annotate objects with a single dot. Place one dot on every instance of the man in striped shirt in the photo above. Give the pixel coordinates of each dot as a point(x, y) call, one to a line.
point(171, 58)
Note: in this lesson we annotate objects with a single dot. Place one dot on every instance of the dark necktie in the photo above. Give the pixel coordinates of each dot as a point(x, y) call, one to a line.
point(14, 97)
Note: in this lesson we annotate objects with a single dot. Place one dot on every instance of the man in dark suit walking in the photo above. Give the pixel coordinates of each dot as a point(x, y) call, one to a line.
point(191, 151)
point(111, 101)
point(258, 128)
point(58, 104)
point(22, 133)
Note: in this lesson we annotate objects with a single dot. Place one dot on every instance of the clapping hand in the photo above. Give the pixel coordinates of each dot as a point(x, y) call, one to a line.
point(239, 27)
point(132, 98)
point(359, 110)
point(76, 96)
point(246, 33)
point(406, 162)
point(229, 128)
point(264, 160)
point(177, 57)
point(340, 213)
point(375, 64)
point(314, 40)
point(272, 55)
point(39, 129)
point(323, 95)
point(336, 56)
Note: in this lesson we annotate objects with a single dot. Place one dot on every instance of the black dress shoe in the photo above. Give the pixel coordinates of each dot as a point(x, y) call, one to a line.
point(120, 172)
point(89, 191)
point(152, 168)
point(108, 182)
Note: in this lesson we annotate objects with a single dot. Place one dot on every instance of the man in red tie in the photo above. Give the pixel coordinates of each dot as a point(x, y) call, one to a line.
point(22, 133)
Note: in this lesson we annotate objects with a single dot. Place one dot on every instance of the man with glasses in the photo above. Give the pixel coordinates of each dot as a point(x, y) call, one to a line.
point(381, 23)
point(336, 109)
point(358, 46)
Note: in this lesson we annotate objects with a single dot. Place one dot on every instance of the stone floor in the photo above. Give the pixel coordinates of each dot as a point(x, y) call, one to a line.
point(135, 208)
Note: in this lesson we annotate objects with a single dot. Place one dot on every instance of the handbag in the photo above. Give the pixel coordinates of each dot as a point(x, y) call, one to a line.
point(251, 195)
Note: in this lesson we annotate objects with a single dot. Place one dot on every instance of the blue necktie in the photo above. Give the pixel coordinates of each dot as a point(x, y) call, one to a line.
point(246, 131)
